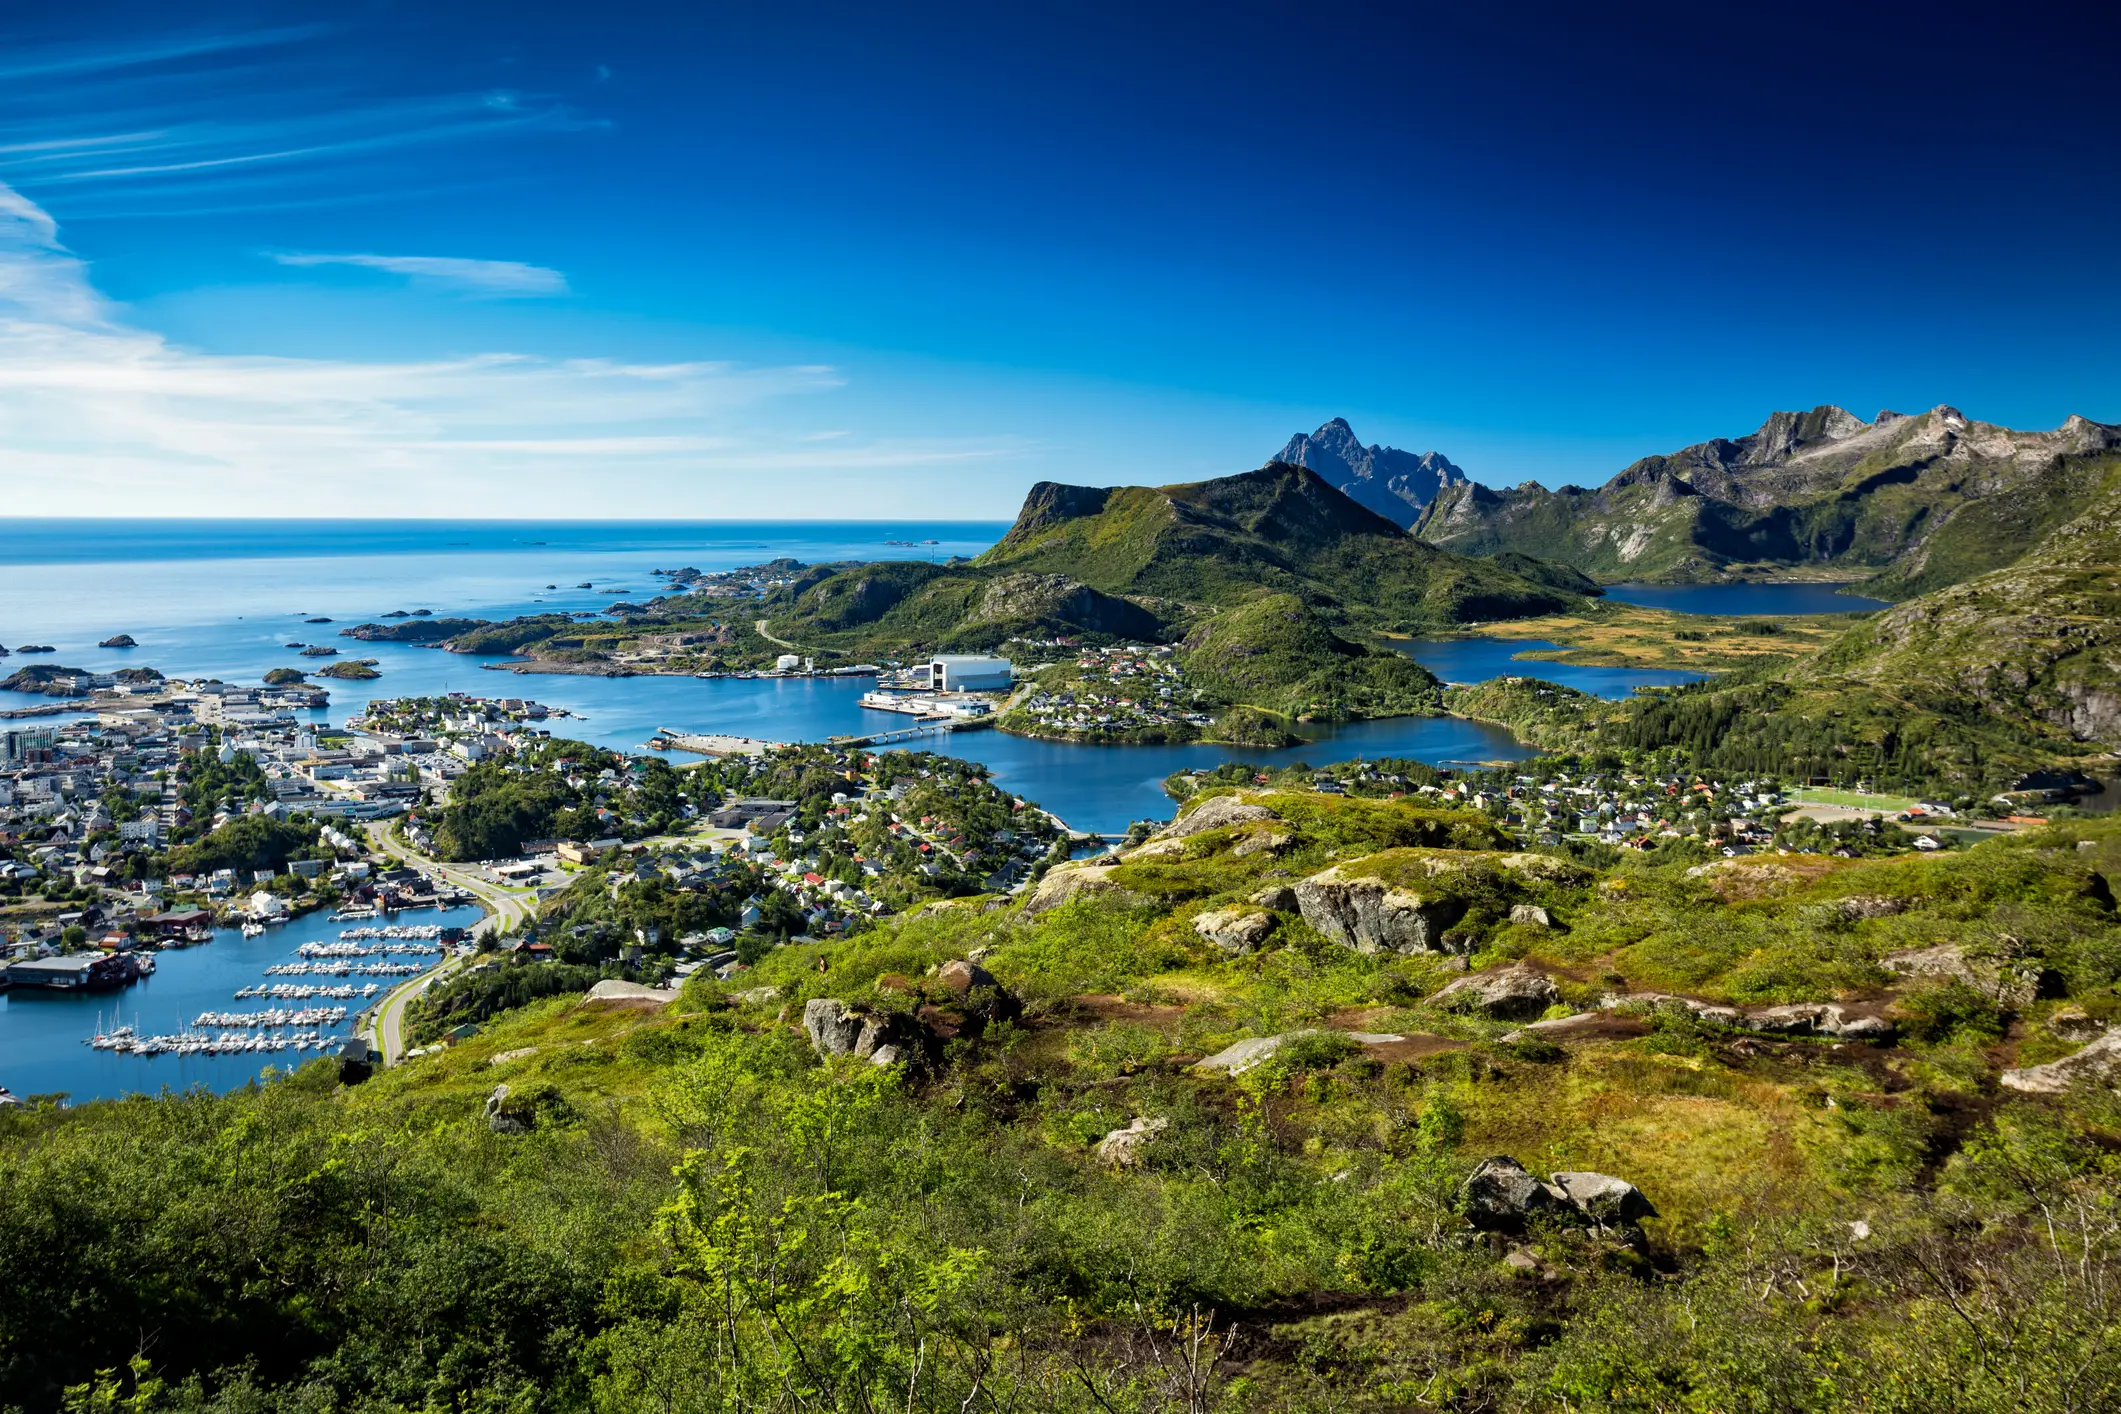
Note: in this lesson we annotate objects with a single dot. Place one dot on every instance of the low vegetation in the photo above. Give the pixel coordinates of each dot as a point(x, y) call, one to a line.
point(689, 1207)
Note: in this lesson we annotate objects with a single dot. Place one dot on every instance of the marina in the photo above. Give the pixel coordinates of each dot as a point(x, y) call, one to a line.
point(180, 1019)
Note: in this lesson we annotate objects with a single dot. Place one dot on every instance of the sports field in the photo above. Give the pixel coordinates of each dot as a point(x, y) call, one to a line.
point(1852, 799)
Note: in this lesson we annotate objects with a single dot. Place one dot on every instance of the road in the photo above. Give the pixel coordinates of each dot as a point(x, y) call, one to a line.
point(761, 627)
point(506, 908)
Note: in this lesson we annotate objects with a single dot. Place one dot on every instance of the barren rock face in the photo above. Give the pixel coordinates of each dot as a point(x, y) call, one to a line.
point(1370, 915)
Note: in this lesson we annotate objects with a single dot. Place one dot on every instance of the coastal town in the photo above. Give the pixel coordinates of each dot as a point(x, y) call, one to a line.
point(186, 805)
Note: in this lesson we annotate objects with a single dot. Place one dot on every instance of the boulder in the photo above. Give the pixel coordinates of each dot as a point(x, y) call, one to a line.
point(975, 995)
point(1066, 881)
point(1215, 813)
point(756, 996)
point(1511, 994)
point(1604, 1199)
point(1530, 915)
point(1278, 897)
point(1502, 1196)
point(499, 1118)
point(1236, 929)
point(1122, 1148)
point(835, 1028)
point(2097, 1062)
point(611, 989)
point(1262, 842)
point(1370, 915)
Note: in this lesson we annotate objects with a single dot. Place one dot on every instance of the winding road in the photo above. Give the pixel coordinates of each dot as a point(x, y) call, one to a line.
point(507, 908)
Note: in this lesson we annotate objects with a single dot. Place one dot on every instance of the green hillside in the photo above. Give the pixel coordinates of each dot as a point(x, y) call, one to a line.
point(1061, 1192)
point(1271, 583)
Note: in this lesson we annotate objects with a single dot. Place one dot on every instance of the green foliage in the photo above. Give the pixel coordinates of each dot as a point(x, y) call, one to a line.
point(246, 843)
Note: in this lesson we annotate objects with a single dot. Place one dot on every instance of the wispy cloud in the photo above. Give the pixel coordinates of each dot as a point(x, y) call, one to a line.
point(487, 277)
point(102, 416)
point(149, 126)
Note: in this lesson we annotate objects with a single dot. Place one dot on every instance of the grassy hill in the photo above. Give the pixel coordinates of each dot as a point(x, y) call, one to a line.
point(2037, 645)
point(620, 1207)
point(1906, 504)
point(1272, 581)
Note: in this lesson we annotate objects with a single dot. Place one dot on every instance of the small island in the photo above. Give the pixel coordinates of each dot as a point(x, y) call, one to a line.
point(118, 640)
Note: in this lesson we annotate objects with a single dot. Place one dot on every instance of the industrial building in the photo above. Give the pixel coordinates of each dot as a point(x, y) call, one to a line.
point(963, 672)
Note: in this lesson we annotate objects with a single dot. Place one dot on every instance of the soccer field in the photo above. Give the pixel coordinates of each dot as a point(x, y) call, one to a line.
point(1853, 799)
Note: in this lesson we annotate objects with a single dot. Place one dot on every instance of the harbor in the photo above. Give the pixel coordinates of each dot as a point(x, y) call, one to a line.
point(215, 1015)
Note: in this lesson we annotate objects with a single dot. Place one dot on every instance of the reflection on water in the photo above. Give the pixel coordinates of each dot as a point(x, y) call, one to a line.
point(1466, 660)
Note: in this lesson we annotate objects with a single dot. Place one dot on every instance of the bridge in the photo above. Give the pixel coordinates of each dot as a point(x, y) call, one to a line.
point(931, 726)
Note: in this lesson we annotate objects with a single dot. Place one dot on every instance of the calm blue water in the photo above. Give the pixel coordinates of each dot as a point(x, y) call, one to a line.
point(1464, 660)
point(1743, 598)
point(41, 1032)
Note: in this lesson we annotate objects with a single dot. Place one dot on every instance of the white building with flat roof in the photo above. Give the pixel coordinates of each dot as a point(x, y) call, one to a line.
point(967, 672)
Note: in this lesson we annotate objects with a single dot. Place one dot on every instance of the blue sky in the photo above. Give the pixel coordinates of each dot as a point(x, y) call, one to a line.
point(820, 260)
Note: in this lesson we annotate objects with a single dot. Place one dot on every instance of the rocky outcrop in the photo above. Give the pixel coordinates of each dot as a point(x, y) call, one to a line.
point(1502, 1196)
point(1530, 915)
point(837, 1029)
point(1122, 1148)
point(2096, 1063)
point(118, 640)
point(1076, 879)
point(2013, 984)
point(2074, 1023)
point(1215, 813)
point(499, 1118)
point(1370, 915)
point(1795, 1019)
point(1236, 929)
point(1511, 994)
point(1241, 1056)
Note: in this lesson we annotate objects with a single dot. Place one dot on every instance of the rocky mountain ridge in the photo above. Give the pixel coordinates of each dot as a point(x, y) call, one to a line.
point(1395, 484)
point(1904, 503)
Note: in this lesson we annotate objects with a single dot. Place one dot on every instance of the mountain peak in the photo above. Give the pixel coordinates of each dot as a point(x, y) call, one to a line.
point(1384, 480)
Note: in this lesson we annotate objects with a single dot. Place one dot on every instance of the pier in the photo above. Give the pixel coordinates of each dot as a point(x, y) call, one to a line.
point(711, 744)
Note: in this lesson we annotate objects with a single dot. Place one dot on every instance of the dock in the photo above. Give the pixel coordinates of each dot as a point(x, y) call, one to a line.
point(712, 744)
